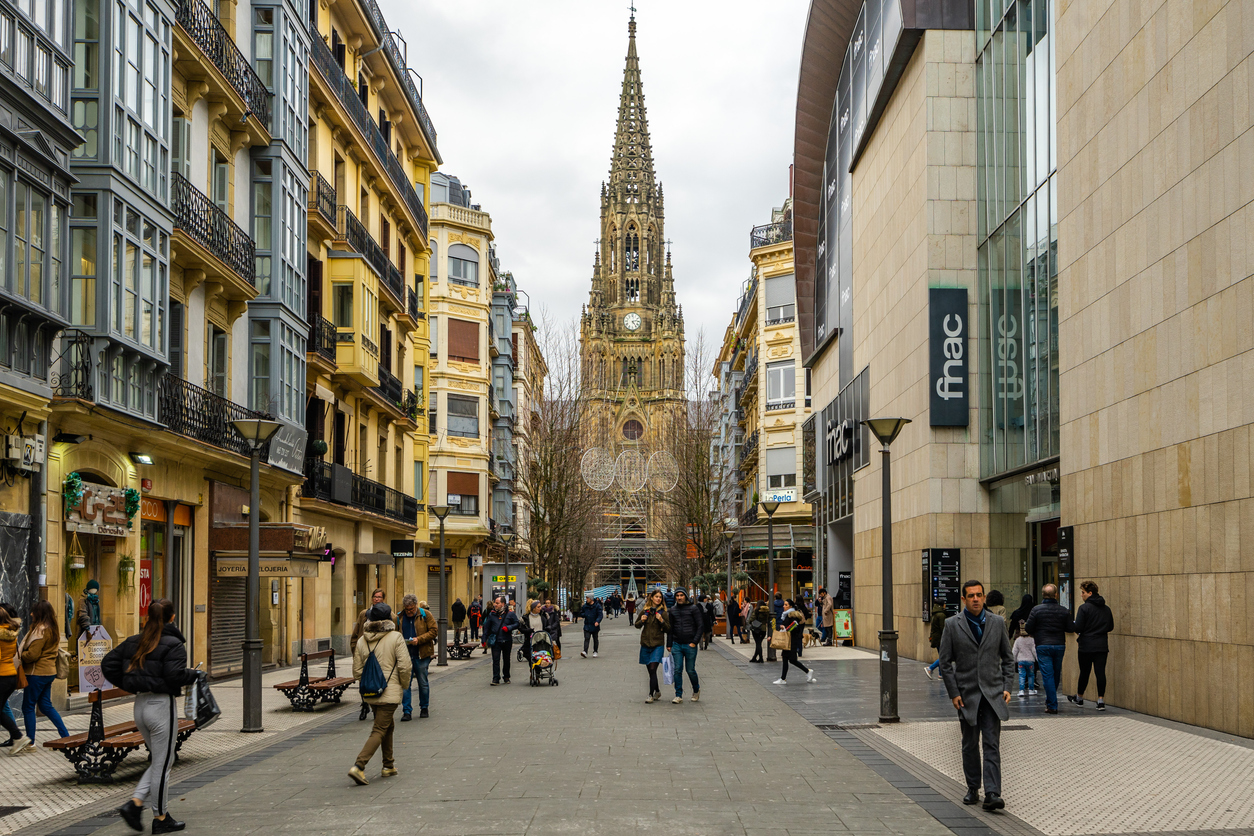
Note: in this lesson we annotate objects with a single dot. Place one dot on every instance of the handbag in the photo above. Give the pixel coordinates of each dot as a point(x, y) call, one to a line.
point(21, 674)
point(668, 671)
point(557, 651)
point(780, 640)
point(63, 664)
point(200, 706)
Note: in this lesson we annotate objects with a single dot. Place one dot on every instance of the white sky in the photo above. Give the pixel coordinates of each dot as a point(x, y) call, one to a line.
point(524, 97)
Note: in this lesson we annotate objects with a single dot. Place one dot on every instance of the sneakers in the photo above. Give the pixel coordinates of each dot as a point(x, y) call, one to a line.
point(584, 654)
point(1031, 692)
point(677, 700)
point(1101, 704)
point(389, 772)
point(696, 696)
point(20, 745)
point(357, 775)
point(1077, 700)
point(423, 714)
point(594, 654)
point(810, 676)
point(780, 682)
point(928, 673)
point(132, 814)
point(167, 825)
point(650, 698)
point(1020, 693)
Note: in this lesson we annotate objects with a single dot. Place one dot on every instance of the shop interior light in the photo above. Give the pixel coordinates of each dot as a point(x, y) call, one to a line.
point(141, 458)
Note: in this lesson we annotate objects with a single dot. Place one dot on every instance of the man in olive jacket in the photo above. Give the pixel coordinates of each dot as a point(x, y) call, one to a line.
point(420, 630)
point(978, 666)
point(380, 636)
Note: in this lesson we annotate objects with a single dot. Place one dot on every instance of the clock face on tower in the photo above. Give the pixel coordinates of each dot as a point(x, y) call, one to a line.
point(632, 322)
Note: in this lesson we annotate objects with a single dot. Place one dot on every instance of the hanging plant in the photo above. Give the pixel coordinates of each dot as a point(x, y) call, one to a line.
point(126, 571)
point(72, 490)
point(319, 447)
point(132, 506)
point(75, 564)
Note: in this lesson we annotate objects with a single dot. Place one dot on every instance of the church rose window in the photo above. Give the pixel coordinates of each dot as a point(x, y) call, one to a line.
point(632, 430)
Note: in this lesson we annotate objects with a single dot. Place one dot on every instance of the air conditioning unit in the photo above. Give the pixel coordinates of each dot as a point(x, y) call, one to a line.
point(24, 452)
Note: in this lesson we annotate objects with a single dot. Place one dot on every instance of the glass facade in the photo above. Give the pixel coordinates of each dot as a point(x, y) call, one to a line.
point(1018, 231)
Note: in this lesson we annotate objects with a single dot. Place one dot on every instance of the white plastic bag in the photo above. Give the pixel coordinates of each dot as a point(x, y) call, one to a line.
point(668, 671)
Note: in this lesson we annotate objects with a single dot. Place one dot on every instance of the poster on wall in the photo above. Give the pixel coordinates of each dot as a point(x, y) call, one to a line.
point(145, 586)
point(1066, 564)
point(93, 644)
point(941, 582)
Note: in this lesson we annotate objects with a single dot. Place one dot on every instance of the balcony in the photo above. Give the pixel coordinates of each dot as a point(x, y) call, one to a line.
point(320, 347)
point(71, 372)
point(413, 305)
point(210, 241)
point(230, 77)
point(198, 413)
point(402, 71)
point(463, 215)
point(748, 296)
point(345, 93)
point(354, 233)
point(391, 281)
point(768, 234)
point(339, 485)
point(322, 203)
point(749, 517)
point(749, 453)
point(749, 384)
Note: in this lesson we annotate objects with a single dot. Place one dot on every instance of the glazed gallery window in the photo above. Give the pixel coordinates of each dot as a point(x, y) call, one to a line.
point(463, 416)
point(36, 240)
point(83, 257)
point(342, 304)
point(781, 385)
point(261, 364)
point(141, 80)
point(463, 265)
point(781, 467)
point(140, 250)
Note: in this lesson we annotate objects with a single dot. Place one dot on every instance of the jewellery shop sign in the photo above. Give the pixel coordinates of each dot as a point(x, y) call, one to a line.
point(101, 511)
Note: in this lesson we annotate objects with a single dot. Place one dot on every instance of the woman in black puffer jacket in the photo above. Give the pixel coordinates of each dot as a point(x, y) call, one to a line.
point(153, 667)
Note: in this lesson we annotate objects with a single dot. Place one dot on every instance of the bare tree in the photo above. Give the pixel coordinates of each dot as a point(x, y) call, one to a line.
point(692, 518)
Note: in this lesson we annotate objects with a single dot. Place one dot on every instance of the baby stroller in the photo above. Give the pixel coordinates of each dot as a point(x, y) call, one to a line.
point(543, 660)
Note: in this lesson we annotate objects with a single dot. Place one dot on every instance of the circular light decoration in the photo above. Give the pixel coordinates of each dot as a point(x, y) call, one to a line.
point(632, 469)
point(663, 472)
point(633, 430)
point(597, 467)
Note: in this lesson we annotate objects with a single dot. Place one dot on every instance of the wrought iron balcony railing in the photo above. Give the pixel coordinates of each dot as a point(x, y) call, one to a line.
point(767, 234)
point(390, 388)
point(72, 370)
point(346, 94)
point(746, 299)
point(750, 516)
point(355, 234)
point(322, 197)
point(213, 229)
point(748, 451)
point(198, 19)
point(322, 338)
point(198, 413)
point(412, 405)
point(412, 306)
point(365, 494)
point(391, 279)
point(402, 70)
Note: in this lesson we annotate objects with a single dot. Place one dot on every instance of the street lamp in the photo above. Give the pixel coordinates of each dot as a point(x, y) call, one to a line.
point(728, 534)
point(441, 511)
point(770, 508)
point(510, 540)
point(886, 430)
point(255, 432)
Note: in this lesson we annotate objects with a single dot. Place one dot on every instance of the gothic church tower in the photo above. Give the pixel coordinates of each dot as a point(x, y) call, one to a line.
point(632, 332)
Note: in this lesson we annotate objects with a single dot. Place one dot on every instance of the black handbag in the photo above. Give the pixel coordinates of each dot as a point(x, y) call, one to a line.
point(201, 706)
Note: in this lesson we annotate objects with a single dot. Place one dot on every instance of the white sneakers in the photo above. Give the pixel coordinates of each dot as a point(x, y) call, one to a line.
point(584, 654)
point(1031, 692)
point(810, 676)
point(677, 700)
point(20, 745)
point(594, 654)
point(1020, 693)
point(781, 682)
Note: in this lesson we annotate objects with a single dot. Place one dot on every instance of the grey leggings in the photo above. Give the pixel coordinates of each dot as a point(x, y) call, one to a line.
point(156, 716)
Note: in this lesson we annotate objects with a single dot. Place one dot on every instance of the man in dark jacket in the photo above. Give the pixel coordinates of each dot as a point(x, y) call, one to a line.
point(707, 622)
point(1092, 622)
point(687, 625)
point(458, 614)
point(498, 629)
point(1048, 624)
point(591, 615)
point(475, 614)
point(778, 608)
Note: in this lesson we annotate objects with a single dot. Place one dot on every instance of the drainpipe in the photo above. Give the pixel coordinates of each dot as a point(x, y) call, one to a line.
point(37, 547)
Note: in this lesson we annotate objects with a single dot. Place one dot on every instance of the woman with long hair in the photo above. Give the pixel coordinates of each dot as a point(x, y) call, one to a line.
point(794, 622)
point(39, 663)
point(153, 666)
point(9, 627)
point(654, 622)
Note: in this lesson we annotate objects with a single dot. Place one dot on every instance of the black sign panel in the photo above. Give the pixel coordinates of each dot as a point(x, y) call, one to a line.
point(402, 548)
point(949, 328)
point(1066, 564)
point(942, 583)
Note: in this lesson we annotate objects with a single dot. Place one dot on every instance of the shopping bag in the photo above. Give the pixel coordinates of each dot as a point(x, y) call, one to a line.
point(200, 706)
point(780, 640)
point(668, 671)
point(557, 651)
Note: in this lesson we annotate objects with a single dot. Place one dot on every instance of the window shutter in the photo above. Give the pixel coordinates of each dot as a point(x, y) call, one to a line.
point(466, 484)
point(313, 269)
point(780, 290)
point(176, 338)
point(781, 461)
point(463, 340)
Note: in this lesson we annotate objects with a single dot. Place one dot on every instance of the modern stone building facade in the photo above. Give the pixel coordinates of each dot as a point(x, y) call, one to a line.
point(1061, 190)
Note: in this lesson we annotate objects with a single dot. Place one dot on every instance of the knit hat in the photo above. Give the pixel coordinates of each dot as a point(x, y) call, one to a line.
point(379, 612)
point(92, 585)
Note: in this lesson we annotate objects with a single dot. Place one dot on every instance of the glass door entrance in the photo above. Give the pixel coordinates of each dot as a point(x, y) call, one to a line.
point(1044, 555)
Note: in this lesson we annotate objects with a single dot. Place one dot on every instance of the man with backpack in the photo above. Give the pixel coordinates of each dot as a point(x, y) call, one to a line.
point(382, 668)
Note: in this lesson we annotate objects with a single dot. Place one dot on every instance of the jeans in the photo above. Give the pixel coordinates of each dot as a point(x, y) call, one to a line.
point(596, 641)
point(934, 665)
point(1049, 657)
point(380, 735)
point(501, 651)
point(38, 692)
point(1096, 661)
point(1027, 674)
point(685, 656)
point(826, 633)
point(421, 667)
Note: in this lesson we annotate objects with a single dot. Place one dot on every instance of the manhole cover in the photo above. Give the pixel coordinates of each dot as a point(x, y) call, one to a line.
point(848, 726)
point(1016, 727)
point(8, 811)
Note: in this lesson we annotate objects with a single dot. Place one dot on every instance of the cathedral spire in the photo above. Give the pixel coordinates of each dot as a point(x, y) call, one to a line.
point(631, 165)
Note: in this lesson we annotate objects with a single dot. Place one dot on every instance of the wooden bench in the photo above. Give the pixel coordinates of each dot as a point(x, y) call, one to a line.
point(463, 650)
point(96, 753)
point(306, 692)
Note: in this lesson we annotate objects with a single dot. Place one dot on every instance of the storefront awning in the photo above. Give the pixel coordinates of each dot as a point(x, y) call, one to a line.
point(787, 538)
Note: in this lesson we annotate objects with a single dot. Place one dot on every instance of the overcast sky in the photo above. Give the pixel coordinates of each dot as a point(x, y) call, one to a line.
point(524, 97)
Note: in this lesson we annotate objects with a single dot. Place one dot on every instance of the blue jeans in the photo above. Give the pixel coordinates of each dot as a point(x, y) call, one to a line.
point(934, 665)
point(683, 656)
point(421, 667)
point(38, 692)
point(1049, 657)
point(1027, 676)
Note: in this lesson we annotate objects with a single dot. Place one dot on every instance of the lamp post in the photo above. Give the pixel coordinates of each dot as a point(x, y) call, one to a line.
point(510, 540)
point(255, 432)
point(441, 511)
point(770, 508)
point(886, 431)
point(728, 534)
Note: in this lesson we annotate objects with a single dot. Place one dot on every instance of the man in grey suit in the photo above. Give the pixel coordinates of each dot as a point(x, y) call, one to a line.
point(978, 667)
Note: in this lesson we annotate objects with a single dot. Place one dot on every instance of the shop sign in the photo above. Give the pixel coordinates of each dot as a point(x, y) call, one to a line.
point(844, 624)
point(101, 511)
point(434, 568)
point(402, 549)
point(287, 449)
point(153, 510)
point(1066, 564)
point(92, 647)
point(269, 567)
point(948, 332)
point(501, 579)
point(1042, 478)
point(145, 584)
point(781, 495)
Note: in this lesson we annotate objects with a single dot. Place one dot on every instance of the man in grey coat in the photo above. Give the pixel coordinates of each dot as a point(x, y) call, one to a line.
point(978, 667)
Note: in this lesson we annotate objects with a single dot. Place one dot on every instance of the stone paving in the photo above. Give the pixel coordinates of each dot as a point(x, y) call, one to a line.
point(587, 757)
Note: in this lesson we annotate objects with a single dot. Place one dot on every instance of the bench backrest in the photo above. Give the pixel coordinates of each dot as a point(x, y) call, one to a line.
point(321, 654)
point(112, 694)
